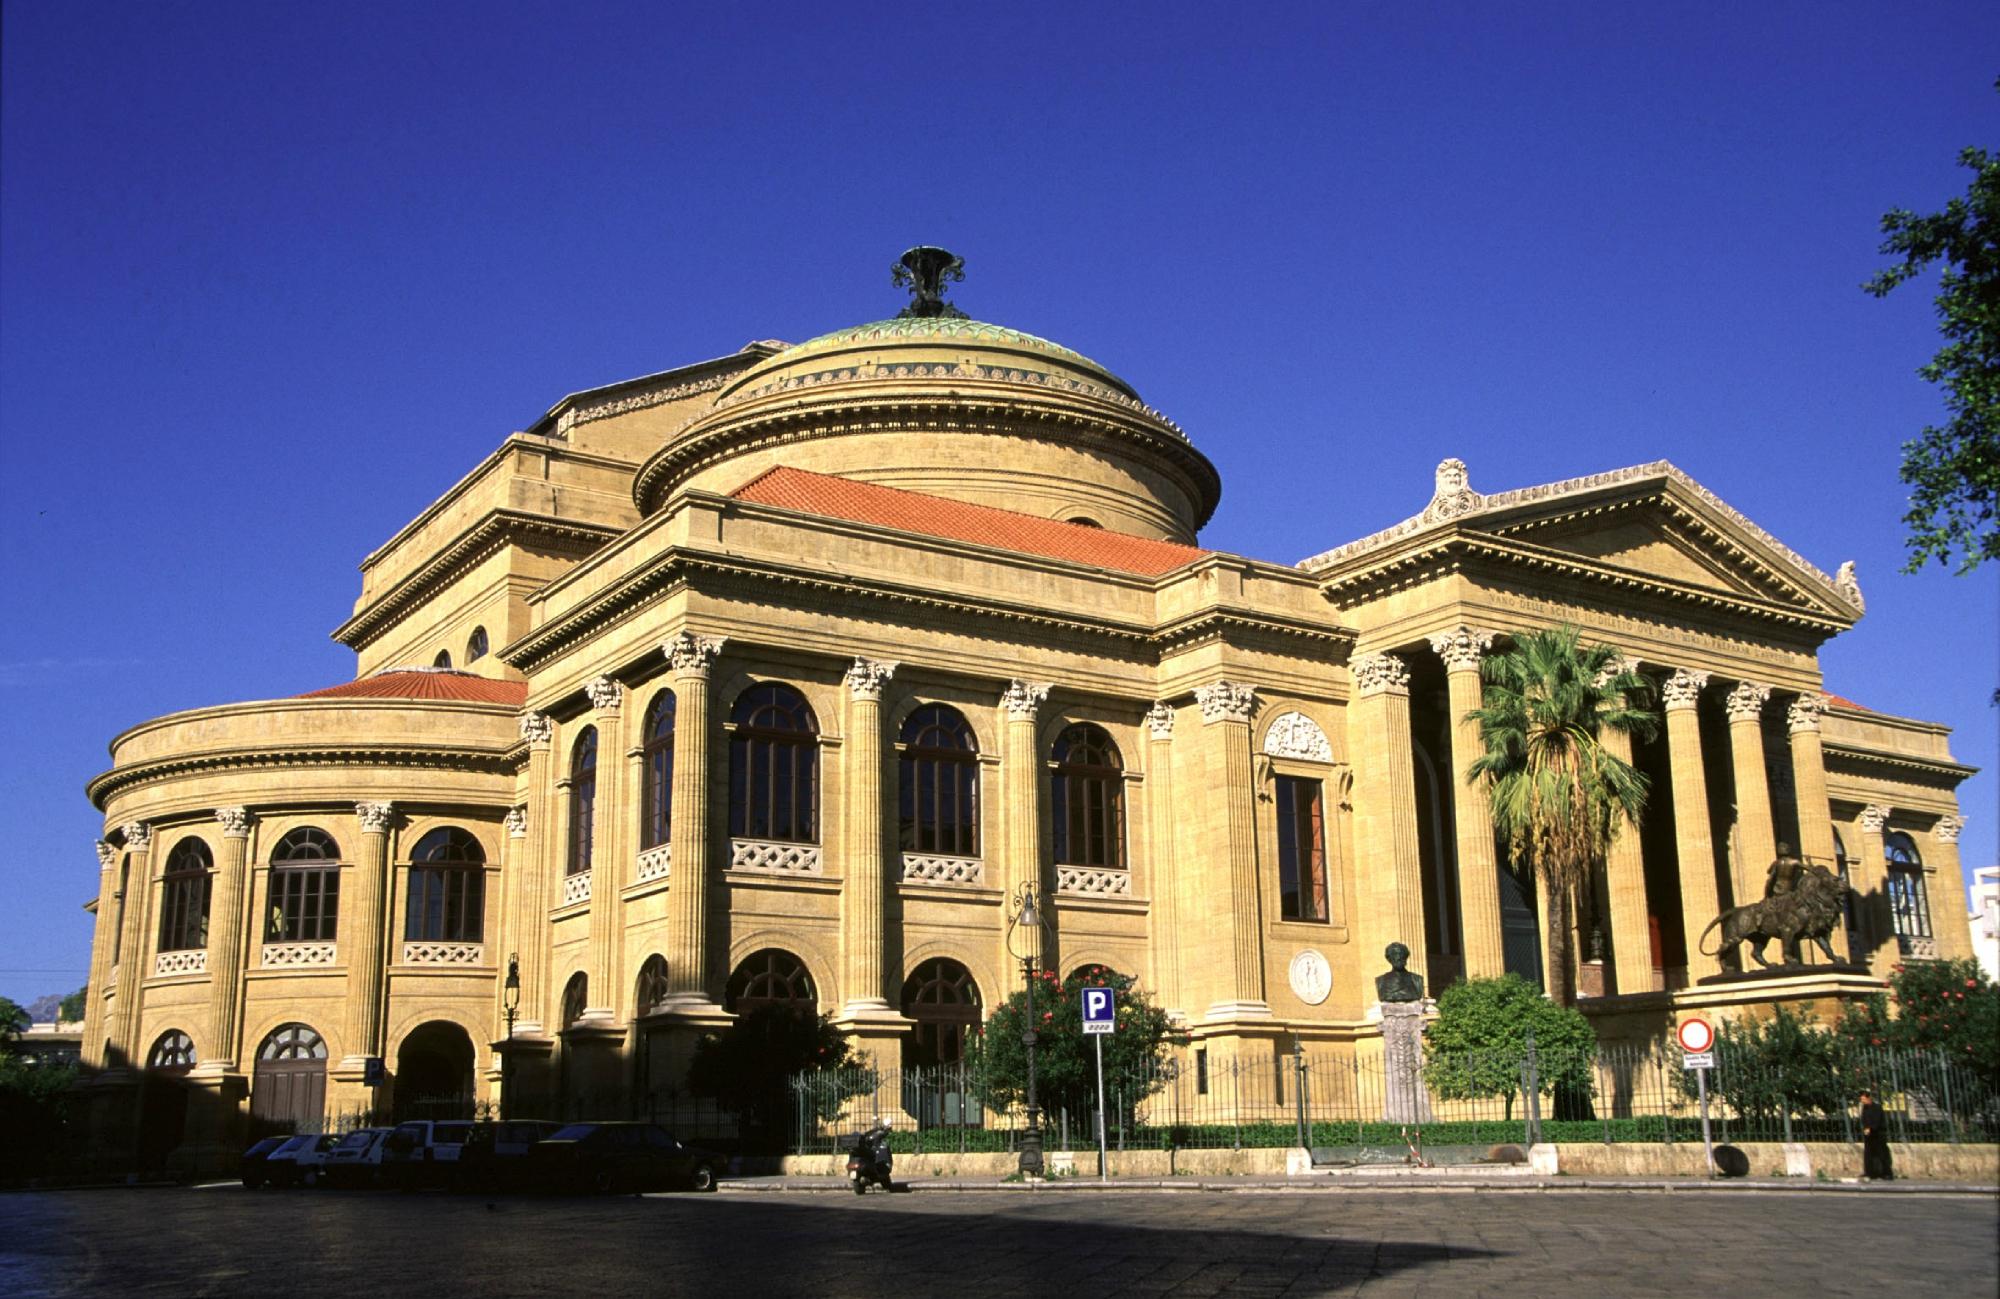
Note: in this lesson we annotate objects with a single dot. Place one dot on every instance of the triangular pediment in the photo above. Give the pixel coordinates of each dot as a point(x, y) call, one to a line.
point(1649, 541)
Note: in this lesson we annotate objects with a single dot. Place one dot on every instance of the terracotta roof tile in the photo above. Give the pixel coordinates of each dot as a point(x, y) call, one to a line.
point(1847, 703)
point(427, 683)
point(935, 516)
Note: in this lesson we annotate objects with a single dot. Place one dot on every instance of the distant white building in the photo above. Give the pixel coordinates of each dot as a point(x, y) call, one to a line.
point(1985, 919)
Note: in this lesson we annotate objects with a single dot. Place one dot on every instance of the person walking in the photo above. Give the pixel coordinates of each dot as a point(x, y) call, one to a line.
point(1876, 1164)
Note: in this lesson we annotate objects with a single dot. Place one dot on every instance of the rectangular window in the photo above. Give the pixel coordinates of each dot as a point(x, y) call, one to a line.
point(184, 912)
point(447, 905)
point(1201, 1071)
point(1301, 850)
point(305, 906)
point(1909, 902)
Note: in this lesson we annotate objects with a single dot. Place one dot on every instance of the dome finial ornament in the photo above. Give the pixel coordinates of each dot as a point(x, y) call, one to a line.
point(923, 270)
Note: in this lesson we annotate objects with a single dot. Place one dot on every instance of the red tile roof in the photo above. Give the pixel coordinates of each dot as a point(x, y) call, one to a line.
point(1847, 703)
point(935, 516)
point(427, 683)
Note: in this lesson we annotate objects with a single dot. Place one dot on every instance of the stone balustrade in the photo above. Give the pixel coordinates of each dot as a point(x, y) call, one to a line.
point(289, 956)
point(775, 858)
point(929, 868)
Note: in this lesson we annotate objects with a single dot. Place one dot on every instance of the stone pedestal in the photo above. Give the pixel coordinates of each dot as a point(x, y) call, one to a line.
point(1405, 1099)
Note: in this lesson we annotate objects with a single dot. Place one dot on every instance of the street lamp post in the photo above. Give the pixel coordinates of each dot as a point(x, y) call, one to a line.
point(511, 1004)
point(1024, 935)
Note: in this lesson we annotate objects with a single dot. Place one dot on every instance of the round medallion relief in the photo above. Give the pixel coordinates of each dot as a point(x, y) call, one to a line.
point(1312, 977)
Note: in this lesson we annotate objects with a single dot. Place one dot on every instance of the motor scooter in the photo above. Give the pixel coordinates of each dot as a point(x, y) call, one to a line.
point(869, 1160)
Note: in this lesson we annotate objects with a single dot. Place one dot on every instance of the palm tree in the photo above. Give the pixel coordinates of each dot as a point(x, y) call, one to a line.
point(1559, 798)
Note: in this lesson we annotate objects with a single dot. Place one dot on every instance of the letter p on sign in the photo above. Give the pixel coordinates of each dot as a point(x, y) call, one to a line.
point(1100, 1010)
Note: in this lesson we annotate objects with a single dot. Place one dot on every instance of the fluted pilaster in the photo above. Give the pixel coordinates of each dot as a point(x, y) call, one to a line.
point(533, 849)
point(132, 945)
point(1164, 864)
point(225, 939)
point(1694, 847)
point(1478, 862)
point(104, 930)
point(862, 894)
point(608, 855)
point(1225, 711)
point(1020, 777)
point(691, 658)
point(1389, 884)
point(364, 920)
point(1756, 842)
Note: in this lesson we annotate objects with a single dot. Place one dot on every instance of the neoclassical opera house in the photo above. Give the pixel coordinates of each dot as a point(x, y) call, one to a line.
point(774, 676)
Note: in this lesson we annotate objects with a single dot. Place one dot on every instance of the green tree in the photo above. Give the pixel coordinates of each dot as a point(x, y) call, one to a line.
point(34, 1103)
point(71, 1009)
point(1065, 1059)
point(1475, 1047)
point(748, 1067)
point(14, 1021)
point(1766, 1066)
point(1947, 1007)
point(1953, 469)
point(1559, 797)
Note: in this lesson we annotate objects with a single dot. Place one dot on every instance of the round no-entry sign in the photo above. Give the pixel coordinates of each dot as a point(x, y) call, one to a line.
point(1696, 1035)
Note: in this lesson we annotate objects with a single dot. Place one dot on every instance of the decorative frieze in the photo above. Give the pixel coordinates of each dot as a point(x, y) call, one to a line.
point(605, 694)
point(867, 677)
point(1683, 689)
point(926, 868)
point(138, 835)
point(444, 953)
point(1461, 648)
point(774, 858)
point(1873, 818)
point(1023, 698)
point(572, 416)
point(374, 816)
point(1229, 701)
point(1746, 702)
point(1376, 674)
point(1947, 829)
point(107, 855)
point(1804, 713)
point(1294, 735)
point(1093, 881)
point(192, 961)
point(655, 864)
point(692, 655)
point(292, 956)
point(537, 730)
point(576, 888)
point(1160, 720)
point(235, 822)
point(517, 823)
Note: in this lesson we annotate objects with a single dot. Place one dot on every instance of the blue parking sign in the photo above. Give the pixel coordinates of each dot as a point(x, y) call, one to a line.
point(1100, 1010)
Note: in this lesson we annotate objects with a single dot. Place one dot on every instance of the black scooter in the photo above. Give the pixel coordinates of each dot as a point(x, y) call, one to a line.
point(869, 1160)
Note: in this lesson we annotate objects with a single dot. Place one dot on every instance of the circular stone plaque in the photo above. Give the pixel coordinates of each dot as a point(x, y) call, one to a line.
point(1312, 977)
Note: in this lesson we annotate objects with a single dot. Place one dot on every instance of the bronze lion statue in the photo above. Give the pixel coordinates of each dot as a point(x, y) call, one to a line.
point(1810, 910)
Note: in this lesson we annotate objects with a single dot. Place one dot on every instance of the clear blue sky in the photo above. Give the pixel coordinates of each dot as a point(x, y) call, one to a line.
point(274, 276)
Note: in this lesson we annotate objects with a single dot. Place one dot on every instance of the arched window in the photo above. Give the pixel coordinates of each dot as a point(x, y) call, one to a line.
point(773, 766)
point(1909, 901)
point(447, 902)
point(576, 997)
point(305, 888)
point(184, 897)
point(475, 646)
point(172, 1053)
point(582, 799)
point(656, 761)
point(651, 992)
point(443, 660)
point(938, 787)
point(942, 998)
point(293, 1042)
point(1087, 798)
point(770, 977)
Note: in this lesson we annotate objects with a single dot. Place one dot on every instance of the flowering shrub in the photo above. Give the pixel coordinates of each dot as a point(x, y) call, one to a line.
point(1066, 1060)
point(1947, 1007)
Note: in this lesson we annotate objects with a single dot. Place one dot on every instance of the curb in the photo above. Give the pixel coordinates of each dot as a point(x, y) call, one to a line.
point(1401, 1184)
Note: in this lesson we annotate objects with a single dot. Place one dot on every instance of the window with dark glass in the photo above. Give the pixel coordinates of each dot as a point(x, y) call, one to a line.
point(1087, 798)
point(443, 660)
point(576, 998)
point(651, 992)
point(305, 888)
point(172, 1053)
point(184, 897)
point(475, 647)
point(582, 799)
point(1909, 901)
point(447, 902)
point(118, 925)
point(656, 765)
point(938, 783)
point(773, 766)
point(1301, 850)
point(942, 998)
point(771, 976)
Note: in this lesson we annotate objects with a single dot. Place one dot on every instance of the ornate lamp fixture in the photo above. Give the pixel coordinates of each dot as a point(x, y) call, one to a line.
point(1024, 943)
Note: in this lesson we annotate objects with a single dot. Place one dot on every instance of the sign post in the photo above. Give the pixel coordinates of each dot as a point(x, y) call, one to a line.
point(1697, 1039)
point(1100, 1016)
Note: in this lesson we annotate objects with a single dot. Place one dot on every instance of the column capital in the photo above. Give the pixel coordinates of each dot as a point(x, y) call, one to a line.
point(1225, 701)
point(692, 655)
point(1746, 702)
point(235, 822)
point(1803, 713)
point(1380, 673)
point(1023, 699)
point(107, 855)
point(138, 836)
point(1947, 829)
point(1160, 720)
point(1461, 648)
point(537, 729)
point(1683, 689)
point(517, 823)
point(867, 677)
point(374, 816)
point(1873, 818)
point(606, 695)
point(1619, 666)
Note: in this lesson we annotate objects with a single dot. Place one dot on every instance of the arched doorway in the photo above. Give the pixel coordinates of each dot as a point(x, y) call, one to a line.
point(434, 1073)
point(288, 1089)
point(941, 996)
point(163, 1121)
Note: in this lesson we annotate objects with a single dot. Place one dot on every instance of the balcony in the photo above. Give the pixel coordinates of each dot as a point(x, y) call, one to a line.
point(928, 868)
point(576, 888)
point(192, 961)
point(444, 954)
point(1094, 881)
point(655, 864)
point(292, 956)
point(773, 858)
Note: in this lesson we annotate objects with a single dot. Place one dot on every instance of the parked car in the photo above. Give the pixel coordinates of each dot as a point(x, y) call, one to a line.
point(423, 1152)
point(495, 1155)
point(297, 1162)
point(608, 1157)
point(251, 1166)
point(356, 1159)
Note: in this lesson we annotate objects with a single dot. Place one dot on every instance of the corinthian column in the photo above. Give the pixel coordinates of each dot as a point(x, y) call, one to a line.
point(1694, 847)
point(365, 921)
point(1878, 927)
point(690, 658)
point(1953, 930)
point(532, 850)
point(1756, 844)
point(862, 893)
point(1166, 881)
point(1390, 884)
point(104, 931)
point(1625, 877)
point(225, 938)
point(1478, 864)
point(607, 860)
point(1809, 781)
point(1225, 711)
point(131, 942)
point(1020, 771)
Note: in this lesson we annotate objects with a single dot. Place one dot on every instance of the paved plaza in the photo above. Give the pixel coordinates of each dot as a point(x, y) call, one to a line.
point(226, 1241)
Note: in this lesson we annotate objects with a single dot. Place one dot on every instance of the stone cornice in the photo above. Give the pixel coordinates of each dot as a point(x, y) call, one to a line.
point(1854, 756)
point(1204, 626)
point(249, 758)
point(628, 395)
point(493, 530)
